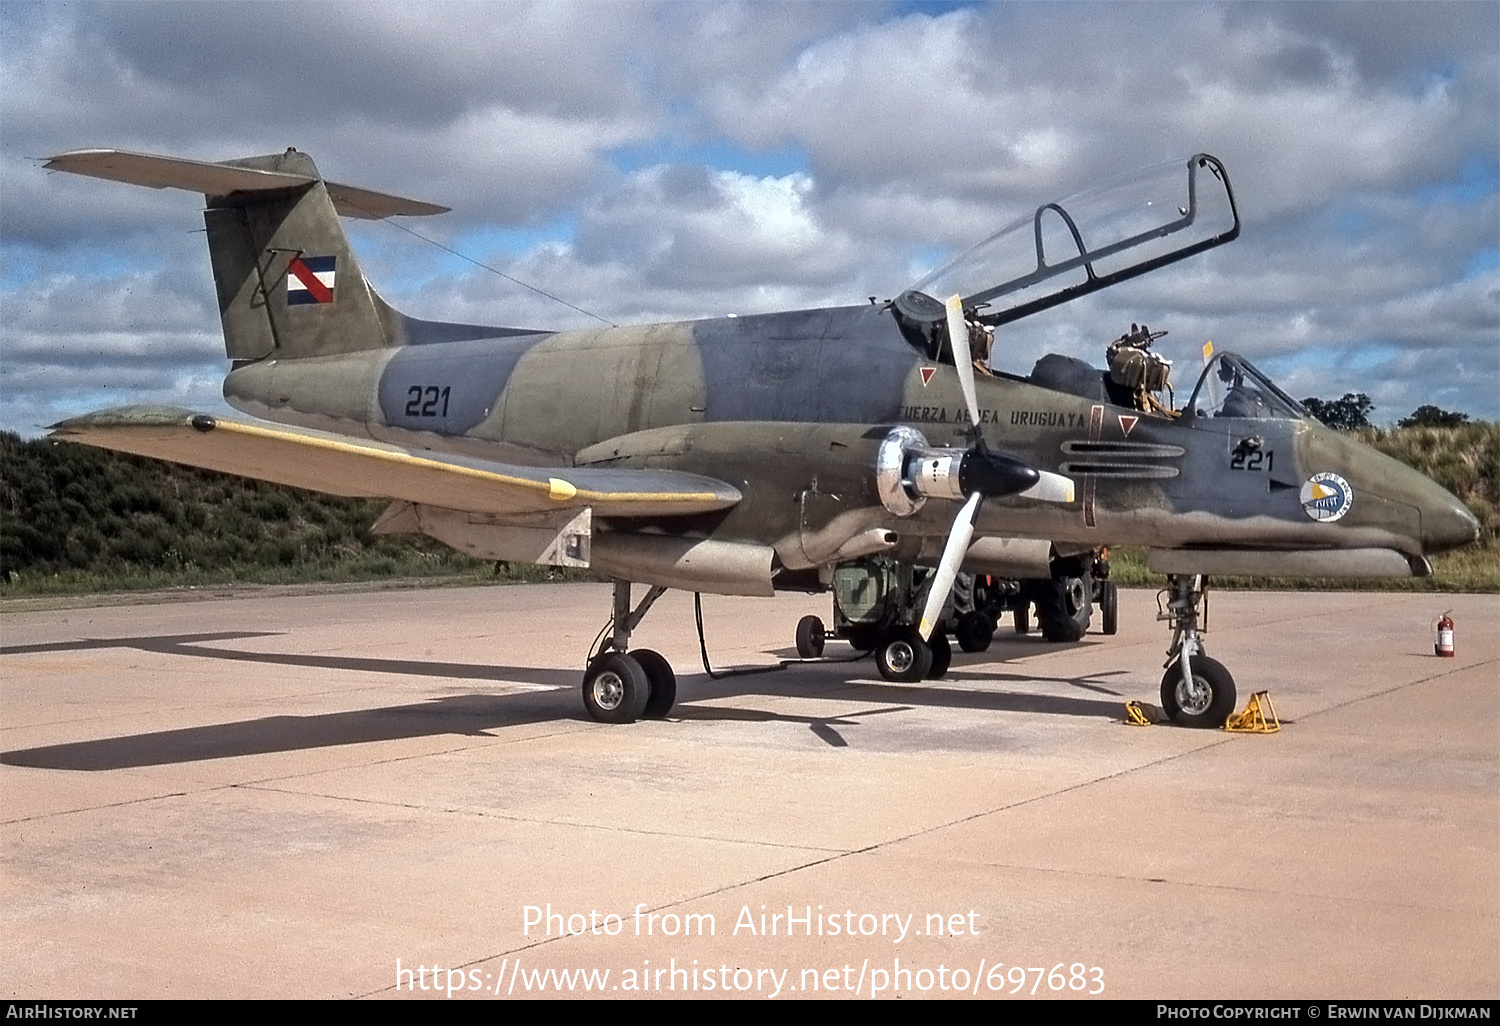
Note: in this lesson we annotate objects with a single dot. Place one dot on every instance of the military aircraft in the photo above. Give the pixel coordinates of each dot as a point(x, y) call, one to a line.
point(869, 446)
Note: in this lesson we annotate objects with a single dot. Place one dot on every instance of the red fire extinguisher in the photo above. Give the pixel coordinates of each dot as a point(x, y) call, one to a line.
point(1442, 641)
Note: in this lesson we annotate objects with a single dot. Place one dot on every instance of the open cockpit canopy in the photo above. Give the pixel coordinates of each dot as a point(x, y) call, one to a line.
point(1231, 386)
point(1120, 229)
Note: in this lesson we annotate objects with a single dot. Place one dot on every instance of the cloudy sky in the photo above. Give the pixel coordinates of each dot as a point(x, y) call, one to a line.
point(665, 161)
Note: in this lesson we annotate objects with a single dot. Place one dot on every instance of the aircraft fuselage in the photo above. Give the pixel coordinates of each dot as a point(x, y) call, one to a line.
point(813, 393)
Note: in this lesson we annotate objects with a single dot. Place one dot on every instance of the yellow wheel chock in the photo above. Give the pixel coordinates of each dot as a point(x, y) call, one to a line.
point(1136, 716)
point(1259, 716)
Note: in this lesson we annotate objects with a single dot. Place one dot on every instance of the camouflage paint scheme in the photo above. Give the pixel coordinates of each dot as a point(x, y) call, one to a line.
point(787, 410)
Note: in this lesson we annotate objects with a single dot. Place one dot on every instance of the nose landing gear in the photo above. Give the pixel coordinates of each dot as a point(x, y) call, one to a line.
point(1196, 691)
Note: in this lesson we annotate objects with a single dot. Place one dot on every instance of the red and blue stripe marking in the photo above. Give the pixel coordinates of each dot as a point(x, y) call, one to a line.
point(309, 280)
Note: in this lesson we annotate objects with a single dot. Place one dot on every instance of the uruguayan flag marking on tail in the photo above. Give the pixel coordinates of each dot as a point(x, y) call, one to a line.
point(309, 280)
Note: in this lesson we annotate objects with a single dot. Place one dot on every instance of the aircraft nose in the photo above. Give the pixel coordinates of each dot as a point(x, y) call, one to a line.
point(1448, 525)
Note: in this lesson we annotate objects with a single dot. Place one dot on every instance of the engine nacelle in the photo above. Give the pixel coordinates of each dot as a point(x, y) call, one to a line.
point(902, 448)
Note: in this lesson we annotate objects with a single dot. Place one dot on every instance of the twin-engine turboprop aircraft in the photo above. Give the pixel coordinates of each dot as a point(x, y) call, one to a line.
point(844, 448)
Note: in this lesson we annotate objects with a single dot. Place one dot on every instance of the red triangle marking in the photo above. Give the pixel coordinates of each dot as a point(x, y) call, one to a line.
point(927, 373)
point(1127, 423)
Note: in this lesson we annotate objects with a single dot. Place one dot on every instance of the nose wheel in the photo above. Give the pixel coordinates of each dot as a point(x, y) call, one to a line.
point(1196, 691)
point(1203, 697)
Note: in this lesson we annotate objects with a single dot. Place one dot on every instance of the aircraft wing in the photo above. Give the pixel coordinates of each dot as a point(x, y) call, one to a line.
point(336, 465)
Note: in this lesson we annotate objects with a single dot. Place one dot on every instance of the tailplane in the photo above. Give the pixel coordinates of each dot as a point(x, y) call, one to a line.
point(289, 285)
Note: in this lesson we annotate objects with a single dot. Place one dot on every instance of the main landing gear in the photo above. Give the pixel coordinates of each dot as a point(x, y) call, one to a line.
point(1196, 691)
point(621, 686)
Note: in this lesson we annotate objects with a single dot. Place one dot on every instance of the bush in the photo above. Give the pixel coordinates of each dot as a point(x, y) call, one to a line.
point(71, 513)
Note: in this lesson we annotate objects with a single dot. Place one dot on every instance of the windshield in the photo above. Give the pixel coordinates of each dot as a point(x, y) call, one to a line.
point(1122, 228)
point(1230, 386)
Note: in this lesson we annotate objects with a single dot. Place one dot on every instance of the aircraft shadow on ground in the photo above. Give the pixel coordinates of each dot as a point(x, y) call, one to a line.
point(190, 645)
point(473, 715)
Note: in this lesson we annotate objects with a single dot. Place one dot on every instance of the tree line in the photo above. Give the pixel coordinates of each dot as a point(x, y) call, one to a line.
point(1352, 412)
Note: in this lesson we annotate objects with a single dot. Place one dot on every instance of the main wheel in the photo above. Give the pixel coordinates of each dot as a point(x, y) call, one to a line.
point(1023, 617)
point(663, 683)
point(1109, 607)
point(974, 631)
point(942, 656)
point(809, 637)
point(1208, 702)
point(903, 656)
point(615, 689)
point(1064, 606)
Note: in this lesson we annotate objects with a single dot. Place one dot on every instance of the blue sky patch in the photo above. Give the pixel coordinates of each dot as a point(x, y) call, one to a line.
point(1487, 259)
point(22, 265)
point(1478, 181)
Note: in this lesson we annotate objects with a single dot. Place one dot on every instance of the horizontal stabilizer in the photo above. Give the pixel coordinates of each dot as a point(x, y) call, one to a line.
point(336, 465)
point(158, 172)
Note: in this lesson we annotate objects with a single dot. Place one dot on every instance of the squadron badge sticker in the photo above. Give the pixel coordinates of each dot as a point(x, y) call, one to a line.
point(1326, 497)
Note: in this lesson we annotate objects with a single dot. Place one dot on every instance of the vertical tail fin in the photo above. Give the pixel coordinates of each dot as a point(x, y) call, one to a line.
point(288, 283)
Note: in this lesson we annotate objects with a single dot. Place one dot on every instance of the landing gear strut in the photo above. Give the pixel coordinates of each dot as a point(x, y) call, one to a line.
point(1196, 691)
point(621, 686)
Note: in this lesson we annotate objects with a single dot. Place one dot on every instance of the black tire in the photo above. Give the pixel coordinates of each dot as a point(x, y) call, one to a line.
point(663, 683)
point(1023, 618)
point(1064, 606)
point(809, 637)
point(863, 638)
point(974, 632)
point(1214, 701)
point(984, 595)
point(902, 656)
point(942, 656)
point(615, 689)
point(1109, 607)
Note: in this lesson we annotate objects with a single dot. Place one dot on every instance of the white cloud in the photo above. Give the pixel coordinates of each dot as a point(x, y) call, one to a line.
point(1362, 141)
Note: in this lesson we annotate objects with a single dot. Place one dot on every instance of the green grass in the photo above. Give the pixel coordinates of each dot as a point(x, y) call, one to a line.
point(428, 568)
point(1475, 569)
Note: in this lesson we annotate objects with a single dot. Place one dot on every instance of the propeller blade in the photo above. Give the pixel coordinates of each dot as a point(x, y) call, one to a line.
point(963, 360)
point(953, 555)
point(1050, 488)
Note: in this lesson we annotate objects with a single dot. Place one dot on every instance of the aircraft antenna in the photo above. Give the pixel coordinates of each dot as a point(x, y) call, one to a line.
point(493, 270)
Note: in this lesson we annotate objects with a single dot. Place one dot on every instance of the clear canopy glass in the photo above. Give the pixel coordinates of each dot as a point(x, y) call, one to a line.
point(1124, 227)
point(1231, 386)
